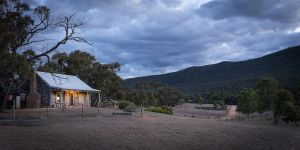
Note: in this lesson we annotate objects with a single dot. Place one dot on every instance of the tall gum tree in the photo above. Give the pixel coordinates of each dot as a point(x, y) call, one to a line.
point(20, 25)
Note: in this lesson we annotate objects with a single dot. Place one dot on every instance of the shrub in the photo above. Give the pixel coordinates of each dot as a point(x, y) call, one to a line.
point(168, 108)
point(162, 109)
point(219, 104)
point(130, 108)
point(181, 101)
point(124, 103)
point(291, 112)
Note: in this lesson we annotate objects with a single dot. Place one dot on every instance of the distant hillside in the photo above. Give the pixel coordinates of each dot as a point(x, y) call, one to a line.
point(283, 65)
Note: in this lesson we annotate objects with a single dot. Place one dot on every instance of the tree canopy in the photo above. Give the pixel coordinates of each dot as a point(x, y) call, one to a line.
point(267, 96)
point(20, 26)
point(247, 101)
point(86, 67)
point(154, 94)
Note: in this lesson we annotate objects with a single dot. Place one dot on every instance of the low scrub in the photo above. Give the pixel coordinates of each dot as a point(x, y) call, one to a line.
point(123, 104)
point(162, 109)
point(130, 108)
point(211, 108)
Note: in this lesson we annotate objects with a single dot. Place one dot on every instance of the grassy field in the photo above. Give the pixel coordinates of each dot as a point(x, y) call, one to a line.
point(102, 130)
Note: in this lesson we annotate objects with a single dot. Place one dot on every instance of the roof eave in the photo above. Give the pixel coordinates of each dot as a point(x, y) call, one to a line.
point(83, 90)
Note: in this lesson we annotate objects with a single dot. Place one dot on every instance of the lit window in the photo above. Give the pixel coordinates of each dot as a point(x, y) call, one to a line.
point(57, 98)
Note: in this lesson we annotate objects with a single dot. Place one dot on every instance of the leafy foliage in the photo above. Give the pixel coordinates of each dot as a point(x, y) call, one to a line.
point(181, 101)
point(291, 112)
point(199, 99)
point(152, 94)
point(267, 96)
point(162, 109)
point(219, 104)
point(123, 104)
point(284, 97)
point(19, 26)
point(85, 66)
point(247, 101)
point(268, 92)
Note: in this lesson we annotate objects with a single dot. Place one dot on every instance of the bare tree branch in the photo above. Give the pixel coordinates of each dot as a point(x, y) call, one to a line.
point(69, 27)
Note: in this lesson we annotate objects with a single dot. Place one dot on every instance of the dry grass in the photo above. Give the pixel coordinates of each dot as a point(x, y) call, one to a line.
point(189, 110)
point(67, 130)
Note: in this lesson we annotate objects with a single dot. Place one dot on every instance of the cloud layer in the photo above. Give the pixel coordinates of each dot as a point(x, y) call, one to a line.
point(159, 36)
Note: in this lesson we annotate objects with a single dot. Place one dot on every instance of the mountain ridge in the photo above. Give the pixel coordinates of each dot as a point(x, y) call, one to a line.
point(283, 65)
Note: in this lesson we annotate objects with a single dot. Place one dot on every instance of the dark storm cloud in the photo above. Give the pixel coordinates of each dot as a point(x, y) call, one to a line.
point(284, 11)
point(159, 36)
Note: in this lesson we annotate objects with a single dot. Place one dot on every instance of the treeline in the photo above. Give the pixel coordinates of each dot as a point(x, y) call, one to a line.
point(104, 77)
point(267, 96)
point(216, 98)
point(87, 68)
point(154, 94)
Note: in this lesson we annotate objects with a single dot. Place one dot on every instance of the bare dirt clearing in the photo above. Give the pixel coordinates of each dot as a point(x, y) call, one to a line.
point(189, 110)
point(154, 131)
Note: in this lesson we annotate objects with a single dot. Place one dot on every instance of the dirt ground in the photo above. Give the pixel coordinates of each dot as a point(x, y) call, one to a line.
point(189, 110)
point(102, 130)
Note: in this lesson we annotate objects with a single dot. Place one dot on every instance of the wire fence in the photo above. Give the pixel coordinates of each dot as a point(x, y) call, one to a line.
point(40, 116)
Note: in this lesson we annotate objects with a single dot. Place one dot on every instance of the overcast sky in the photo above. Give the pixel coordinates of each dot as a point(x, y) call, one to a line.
point(159, 36)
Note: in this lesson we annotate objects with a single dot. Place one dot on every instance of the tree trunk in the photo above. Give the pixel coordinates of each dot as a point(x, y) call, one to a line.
point(6, 97)
point(276, 117)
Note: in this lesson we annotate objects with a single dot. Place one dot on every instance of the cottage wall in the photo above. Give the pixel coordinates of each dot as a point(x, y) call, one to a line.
point(67, 99)
point(83, 98)
point(79, 98)
point(52, 99)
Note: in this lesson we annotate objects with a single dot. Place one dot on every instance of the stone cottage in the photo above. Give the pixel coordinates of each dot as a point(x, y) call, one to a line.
point(58, 90)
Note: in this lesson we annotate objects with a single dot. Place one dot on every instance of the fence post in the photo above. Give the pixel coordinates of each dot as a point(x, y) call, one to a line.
point(209, 113)
point(98, 101)
point(141, 110)
point(82, 110)
point(14, 110)
point(47, 111)
point(98, 107)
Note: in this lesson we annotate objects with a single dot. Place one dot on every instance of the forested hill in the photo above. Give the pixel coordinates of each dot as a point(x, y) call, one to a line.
point(283, 65)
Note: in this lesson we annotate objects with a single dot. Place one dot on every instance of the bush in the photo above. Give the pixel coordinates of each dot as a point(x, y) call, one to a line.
point(291, 113)
point(168, 108)
point(124, 103)
point(181, 101)
point(219, 104)
point(130, 108)
point(162, 109)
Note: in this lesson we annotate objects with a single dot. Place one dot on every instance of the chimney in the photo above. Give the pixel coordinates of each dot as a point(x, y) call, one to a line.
point(32, 100)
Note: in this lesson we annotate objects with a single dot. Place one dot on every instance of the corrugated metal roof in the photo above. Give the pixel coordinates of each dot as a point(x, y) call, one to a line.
point(66, 82)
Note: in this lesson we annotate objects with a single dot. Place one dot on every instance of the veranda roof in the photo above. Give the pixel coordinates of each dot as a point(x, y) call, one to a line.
point(64, 82)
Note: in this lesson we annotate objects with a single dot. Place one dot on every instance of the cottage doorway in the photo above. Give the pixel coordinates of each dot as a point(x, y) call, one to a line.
point(71, 99)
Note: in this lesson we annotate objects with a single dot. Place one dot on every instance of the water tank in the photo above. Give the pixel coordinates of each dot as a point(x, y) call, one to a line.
point(18, 102)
